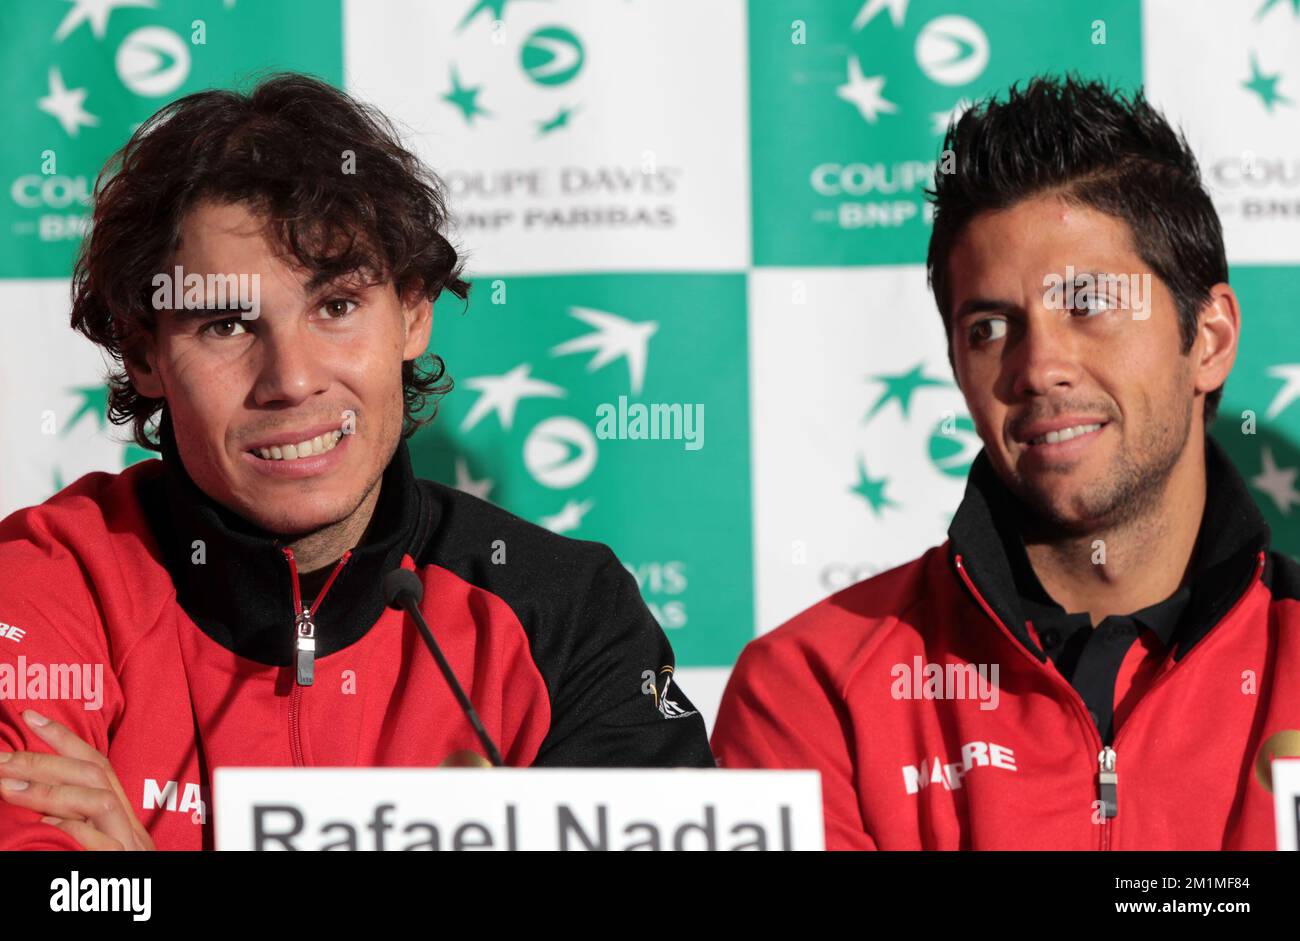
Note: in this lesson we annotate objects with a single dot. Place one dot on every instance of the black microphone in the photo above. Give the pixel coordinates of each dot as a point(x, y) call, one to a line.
point(403, 590)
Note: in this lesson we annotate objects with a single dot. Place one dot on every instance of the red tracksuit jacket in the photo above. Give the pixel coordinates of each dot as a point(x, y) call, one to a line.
point(189, 615)
point(1190, 757)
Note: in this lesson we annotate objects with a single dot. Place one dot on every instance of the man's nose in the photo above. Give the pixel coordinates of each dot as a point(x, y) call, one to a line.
point(1046, 356)
point(292, 368)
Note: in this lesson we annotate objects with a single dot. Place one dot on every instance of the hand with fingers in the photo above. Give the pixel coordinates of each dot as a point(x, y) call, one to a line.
point(76, 789)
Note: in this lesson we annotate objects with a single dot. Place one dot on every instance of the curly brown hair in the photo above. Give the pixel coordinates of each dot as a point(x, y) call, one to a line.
point(280, 149)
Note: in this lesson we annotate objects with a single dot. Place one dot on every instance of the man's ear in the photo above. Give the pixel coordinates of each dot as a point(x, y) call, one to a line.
point(1218, 328)
point(418, 314)
point(142, 369)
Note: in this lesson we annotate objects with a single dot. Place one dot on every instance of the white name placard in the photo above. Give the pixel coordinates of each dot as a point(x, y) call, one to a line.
point(516, 809)
point(1286, 797)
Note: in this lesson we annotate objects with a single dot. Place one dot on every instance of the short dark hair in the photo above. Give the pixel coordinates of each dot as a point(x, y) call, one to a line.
point(281, 150)
point(1099, 148)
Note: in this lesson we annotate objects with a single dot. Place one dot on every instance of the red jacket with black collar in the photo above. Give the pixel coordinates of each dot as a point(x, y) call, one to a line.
point(879, 688)
point(187, 615)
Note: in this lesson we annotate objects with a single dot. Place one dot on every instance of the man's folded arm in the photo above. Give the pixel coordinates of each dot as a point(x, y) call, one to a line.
point(614, 702)
point(47, 664)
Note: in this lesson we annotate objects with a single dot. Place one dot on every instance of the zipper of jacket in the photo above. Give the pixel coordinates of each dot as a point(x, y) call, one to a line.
point(304, 633)
point(1260, 559)
point(1072, 696)
point(1107, 791)
point(1107, 775)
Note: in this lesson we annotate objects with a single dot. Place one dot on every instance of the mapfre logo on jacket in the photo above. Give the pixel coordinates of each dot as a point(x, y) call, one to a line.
point(949, 774)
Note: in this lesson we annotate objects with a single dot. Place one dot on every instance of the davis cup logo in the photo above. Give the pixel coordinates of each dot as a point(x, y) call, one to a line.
point(153, 62)
point(952, 50)
point(903, 407)
point(954, 444)
point(872, 121)
point(551, 56)
point(560, 452)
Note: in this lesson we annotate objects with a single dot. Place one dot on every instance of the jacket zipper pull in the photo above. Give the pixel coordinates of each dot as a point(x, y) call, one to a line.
point(305, 646)
point(1108, 782)
point(304, 624)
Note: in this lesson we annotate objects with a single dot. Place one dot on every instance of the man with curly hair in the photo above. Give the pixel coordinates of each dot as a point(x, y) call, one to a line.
point(231, 591)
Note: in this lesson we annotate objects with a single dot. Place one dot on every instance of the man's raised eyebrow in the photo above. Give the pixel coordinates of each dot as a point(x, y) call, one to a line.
point(322, 279)
point(979, 305)
point(354, 279)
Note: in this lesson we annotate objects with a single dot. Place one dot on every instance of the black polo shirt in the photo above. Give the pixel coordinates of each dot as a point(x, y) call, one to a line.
point(1090, 658)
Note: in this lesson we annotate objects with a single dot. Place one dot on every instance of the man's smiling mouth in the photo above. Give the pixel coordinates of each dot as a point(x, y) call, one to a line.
point(1065, 434)
point(292, 452)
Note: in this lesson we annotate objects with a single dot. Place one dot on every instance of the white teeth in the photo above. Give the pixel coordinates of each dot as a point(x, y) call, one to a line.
point(1064, 434)
point(291, 452)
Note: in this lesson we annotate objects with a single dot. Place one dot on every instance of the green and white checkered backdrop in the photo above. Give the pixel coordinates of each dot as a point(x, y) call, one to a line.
point(705, 202)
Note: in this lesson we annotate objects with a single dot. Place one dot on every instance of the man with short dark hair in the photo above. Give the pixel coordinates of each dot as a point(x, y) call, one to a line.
point(1105, 653)
point(262, 270)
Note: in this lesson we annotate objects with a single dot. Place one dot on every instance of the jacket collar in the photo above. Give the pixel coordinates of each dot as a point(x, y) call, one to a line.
point(1231, 536)
point(1161, 619)
point(241, 595)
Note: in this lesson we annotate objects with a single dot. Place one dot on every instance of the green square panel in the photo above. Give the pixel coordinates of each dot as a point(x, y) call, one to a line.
point(78, 78)
point(850, 100)
point(551, 373)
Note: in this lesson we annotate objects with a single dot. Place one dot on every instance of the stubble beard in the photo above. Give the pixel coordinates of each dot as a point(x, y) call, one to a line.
point(1127, 493)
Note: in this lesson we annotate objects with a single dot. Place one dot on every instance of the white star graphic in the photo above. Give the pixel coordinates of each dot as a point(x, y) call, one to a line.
point(897, 10)
point(95, 12)
point(501, 394)
point(569, 518)
point(1289, 373)
point(467, 484)
point(614, 337)
point(66, 104)
point(1277, 482)
point(865, 93)
point(943, 118)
